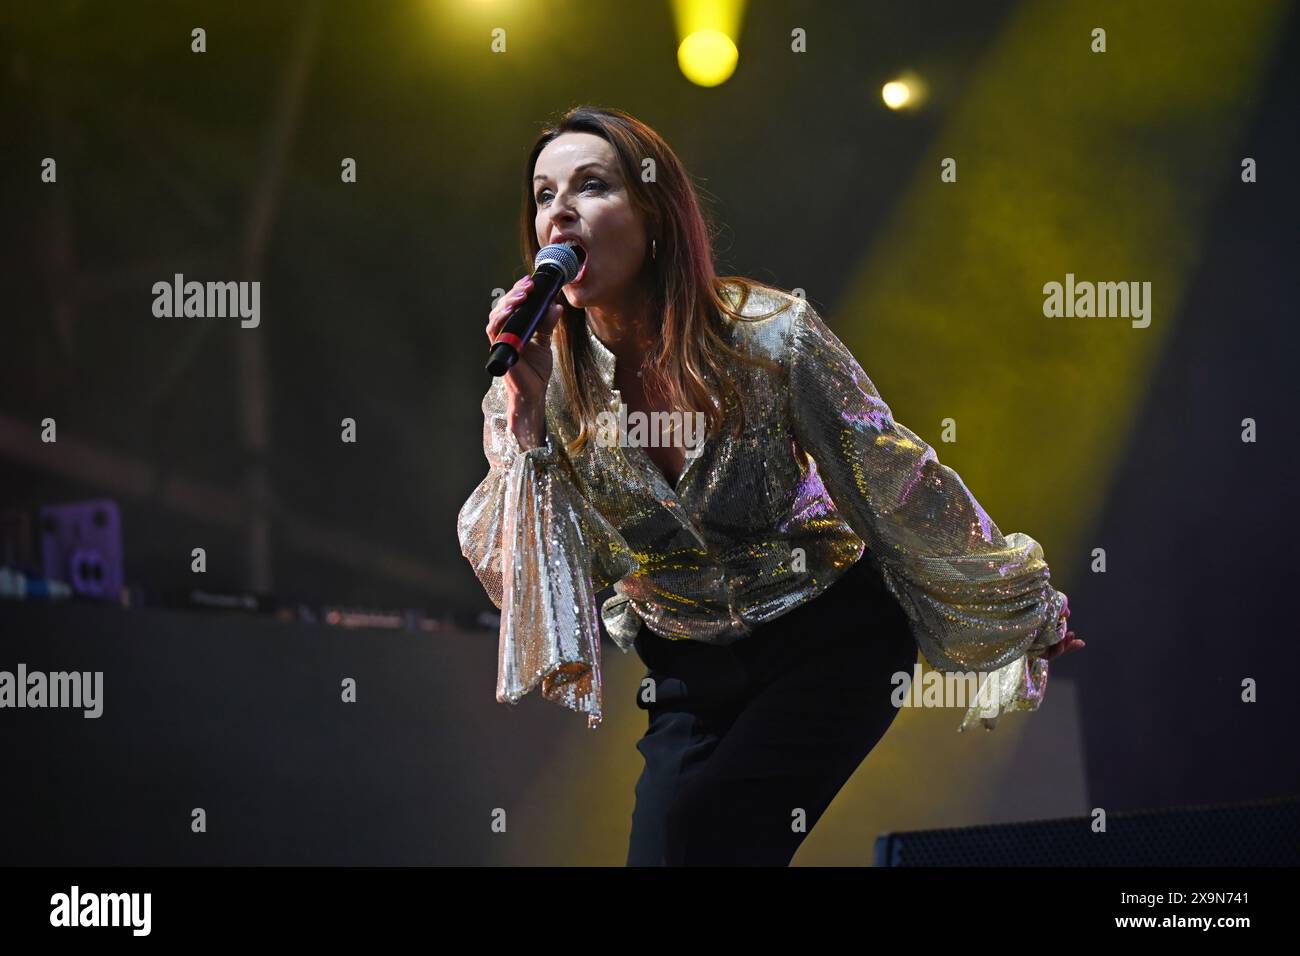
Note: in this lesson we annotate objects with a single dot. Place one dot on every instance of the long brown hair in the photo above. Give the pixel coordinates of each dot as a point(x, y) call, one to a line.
point(686, 291)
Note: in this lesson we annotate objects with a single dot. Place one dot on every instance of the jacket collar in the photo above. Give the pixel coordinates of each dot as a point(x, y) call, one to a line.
point(605, 359)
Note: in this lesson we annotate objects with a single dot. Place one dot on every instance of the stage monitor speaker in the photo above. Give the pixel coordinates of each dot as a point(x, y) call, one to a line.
point(1265, 833)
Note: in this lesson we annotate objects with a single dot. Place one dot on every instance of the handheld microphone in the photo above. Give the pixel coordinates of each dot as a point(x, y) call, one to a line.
point(556, 265)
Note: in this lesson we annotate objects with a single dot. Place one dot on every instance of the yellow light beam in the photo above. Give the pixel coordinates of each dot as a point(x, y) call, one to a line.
point(708, 33)
point(1100, 164)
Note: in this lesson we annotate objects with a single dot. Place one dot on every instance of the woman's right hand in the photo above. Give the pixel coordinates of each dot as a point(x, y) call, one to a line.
point(1070, 642)
point(527, 379)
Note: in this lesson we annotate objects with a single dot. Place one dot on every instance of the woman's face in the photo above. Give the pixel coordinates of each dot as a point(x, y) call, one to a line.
point(580, 194)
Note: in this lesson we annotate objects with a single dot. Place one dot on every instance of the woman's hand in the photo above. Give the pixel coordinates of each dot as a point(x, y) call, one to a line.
point(527, 379)
point(1068, 643)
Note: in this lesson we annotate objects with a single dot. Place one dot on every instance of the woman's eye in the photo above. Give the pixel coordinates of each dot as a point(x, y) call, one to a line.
point(541, 196)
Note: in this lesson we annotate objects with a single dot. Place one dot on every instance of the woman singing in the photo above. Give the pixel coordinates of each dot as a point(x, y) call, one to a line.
point(774, 568)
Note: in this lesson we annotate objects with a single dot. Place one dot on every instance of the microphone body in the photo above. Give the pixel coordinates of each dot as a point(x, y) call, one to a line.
point(556, 265)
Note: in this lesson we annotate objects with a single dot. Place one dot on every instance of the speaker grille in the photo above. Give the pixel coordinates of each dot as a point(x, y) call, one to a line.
point(1266, 833)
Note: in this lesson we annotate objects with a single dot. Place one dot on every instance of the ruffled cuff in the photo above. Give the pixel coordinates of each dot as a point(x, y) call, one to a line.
point(557, 552)
point(1021, 684)
point(1054, 626)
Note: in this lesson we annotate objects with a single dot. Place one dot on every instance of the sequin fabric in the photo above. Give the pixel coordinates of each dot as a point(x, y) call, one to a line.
point(821, 475)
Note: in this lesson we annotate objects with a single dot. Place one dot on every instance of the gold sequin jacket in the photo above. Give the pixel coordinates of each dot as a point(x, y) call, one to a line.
point(757, 524)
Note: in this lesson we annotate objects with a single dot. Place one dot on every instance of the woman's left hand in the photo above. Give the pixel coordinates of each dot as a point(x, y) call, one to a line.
point(1068, 643)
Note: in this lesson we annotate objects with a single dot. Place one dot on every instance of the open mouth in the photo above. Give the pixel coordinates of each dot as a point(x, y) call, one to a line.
point(586, 258)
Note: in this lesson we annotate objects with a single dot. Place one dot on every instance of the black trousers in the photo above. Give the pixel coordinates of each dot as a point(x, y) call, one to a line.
point(748, 744)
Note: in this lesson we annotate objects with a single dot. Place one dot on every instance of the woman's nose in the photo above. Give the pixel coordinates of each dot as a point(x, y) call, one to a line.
point(557, 223)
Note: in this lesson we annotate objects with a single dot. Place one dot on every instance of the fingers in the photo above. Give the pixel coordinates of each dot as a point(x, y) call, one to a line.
point(1069, 643)
point(506, 305)
point(550, 320)
point(501, 311)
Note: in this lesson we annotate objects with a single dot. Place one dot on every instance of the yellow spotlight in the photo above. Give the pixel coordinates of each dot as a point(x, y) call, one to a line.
point(707, 57)
point(904, 92)
point(896, 94)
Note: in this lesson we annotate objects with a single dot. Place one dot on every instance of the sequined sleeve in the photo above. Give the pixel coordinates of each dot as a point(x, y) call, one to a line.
point(542, 553)
point(978, 600)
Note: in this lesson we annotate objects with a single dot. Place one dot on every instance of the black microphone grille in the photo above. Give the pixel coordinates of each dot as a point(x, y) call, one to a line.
point(566, 257)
